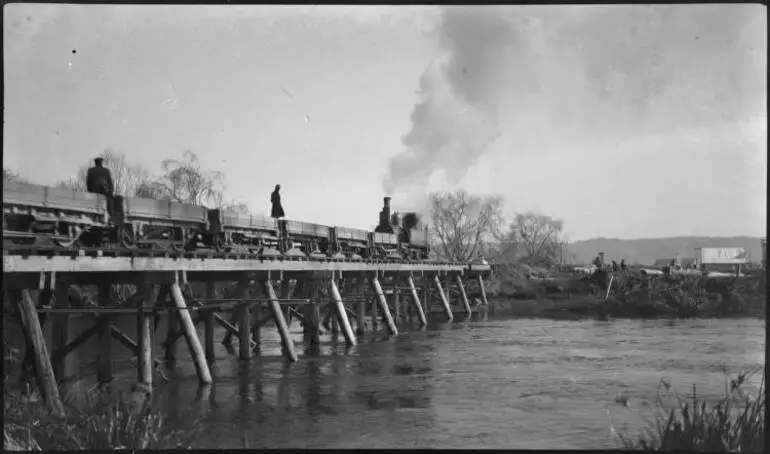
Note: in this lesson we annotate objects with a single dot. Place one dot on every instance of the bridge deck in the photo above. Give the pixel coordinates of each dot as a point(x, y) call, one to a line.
point(86, 264)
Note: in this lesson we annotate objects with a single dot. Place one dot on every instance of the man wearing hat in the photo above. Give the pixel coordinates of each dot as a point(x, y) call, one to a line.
point(99, 181)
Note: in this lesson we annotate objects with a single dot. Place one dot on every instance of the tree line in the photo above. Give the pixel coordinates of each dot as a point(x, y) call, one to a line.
point(181, 180)
point(466, 226)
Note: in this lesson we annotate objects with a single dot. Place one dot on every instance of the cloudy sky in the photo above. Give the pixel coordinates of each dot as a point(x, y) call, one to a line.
point(624, 121)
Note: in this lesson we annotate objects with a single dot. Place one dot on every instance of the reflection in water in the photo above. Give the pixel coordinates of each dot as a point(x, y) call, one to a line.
point(312, 393)
point(311, 348)
point(521, 383)
point(284, 388)
point(244, 385)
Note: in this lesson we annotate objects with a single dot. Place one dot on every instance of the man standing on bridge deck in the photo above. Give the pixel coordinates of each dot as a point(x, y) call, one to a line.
point(99, 181)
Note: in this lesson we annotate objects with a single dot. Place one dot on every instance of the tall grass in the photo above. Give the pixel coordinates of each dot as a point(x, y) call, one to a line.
point(735, 423)
point(94, 419)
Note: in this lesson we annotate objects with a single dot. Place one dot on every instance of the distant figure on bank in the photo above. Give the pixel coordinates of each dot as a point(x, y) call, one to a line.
point(598, 261)
point(623, 265)
point(614, 266)
point(275, 199)
point(674, 265)
point(99, 181)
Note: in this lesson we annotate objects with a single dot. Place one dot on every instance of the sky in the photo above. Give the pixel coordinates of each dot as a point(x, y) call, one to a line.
point(623, 121)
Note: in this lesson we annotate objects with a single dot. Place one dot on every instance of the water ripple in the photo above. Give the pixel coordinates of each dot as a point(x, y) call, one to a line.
point(520, 383)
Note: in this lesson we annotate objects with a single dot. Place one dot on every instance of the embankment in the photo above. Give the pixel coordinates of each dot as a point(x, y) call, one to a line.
point(631, 295)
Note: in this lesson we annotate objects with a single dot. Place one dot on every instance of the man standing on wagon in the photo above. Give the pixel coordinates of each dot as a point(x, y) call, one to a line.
point(99, 181)
point(277, 212)
point(275, 199)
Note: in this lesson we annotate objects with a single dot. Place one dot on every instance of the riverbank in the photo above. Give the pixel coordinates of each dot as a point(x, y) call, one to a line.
point(561, 306)
point(629, 295)
point(93, 419)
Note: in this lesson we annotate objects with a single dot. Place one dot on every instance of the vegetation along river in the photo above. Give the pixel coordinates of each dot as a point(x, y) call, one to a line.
point(493, 383)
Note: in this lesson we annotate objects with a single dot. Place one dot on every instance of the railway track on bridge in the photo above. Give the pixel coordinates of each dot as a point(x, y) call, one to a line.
point(24, 251)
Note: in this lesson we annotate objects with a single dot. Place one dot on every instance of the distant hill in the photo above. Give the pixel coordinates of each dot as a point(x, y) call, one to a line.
point(645, 251)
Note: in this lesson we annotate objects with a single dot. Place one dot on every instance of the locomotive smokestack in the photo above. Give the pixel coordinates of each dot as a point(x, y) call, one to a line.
point(386, 208)
point(384, 226)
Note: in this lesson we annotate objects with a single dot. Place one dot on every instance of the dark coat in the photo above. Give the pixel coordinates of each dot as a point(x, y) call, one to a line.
point(277, 211)
point(99, 180)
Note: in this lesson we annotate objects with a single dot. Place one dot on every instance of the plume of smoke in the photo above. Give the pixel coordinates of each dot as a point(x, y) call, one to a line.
point(456, 118)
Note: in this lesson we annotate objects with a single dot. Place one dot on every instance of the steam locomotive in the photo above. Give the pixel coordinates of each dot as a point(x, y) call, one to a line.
point(33, 214)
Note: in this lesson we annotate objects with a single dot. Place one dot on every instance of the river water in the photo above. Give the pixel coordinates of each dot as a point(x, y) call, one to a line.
point(493, 383)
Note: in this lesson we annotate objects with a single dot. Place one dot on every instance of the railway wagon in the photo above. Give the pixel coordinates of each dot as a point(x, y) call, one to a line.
point(33, 212)
point(234, 230)
point(68, 218)
point(353, 243)
point(163, 224)
point(304, 237)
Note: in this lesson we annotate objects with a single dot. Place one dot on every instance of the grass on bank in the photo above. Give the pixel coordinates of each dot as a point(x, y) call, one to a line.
point(633, 295)
point(94, 419)
point(735, 423)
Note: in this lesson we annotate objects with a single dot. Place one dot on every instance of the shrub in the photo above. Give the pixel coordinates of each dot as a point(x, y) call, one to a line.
point(94, 420)
point(736, 423)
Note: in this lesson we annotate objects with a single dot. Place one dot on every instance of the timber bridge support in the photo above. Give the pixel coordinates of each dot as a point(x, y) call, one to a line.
point(351, 297)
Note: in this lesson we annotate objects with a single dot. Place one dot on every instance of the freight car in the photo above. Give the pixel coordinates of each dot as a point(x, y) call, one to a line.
point(34, 213)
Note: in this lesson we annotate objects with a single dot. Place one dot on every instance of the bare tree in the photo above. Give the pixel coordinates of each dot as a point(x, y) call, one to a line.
point(464, 225)
point(73, 183)
point(9, 175)
point(238, 207)
point(127, 177)
point(183, 181)
point(539, 236)
point(564, 254)
point(186, 182)
point(152, 189)
point(218, 200)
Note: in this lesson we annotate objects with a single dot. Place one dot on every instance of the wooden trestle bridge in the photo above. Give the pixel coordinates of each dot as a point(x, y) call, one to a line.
point(318, 292)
